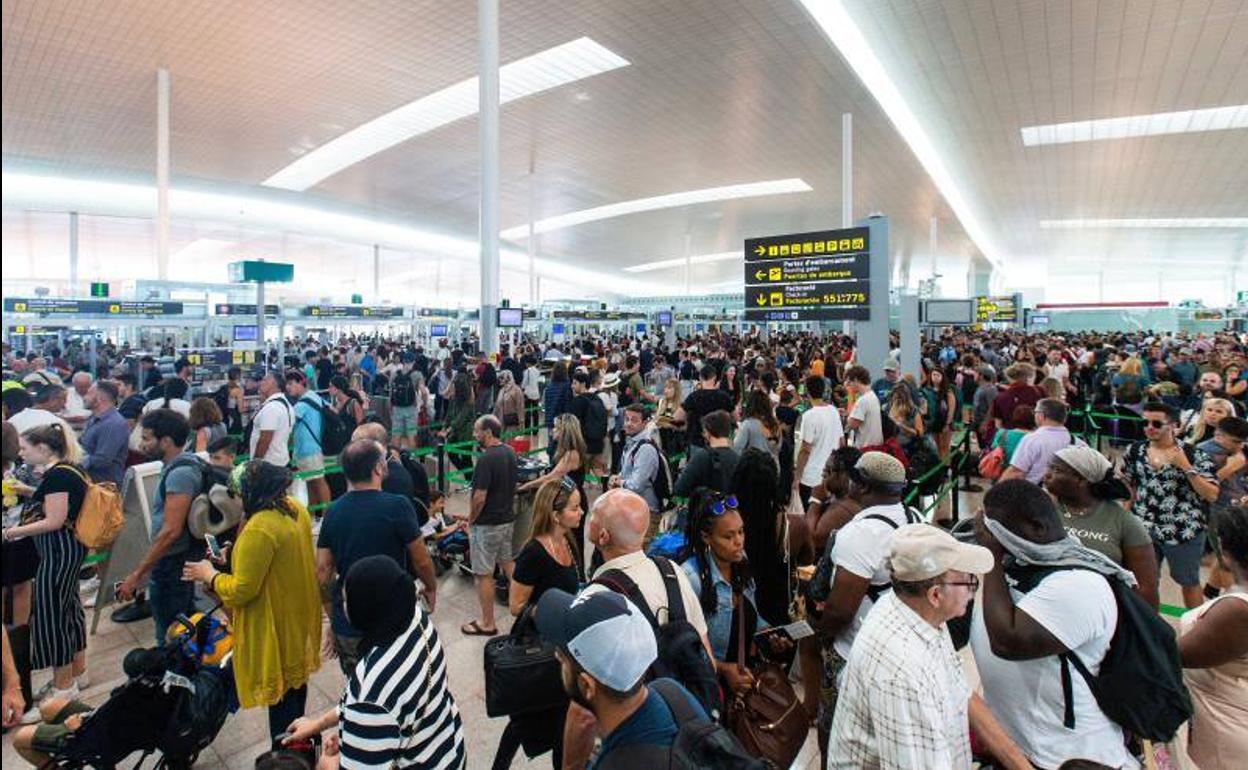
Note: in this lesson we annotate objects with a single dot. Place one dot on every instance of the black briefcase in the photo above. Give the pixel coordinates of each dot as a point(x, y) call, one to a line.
point(521, 672)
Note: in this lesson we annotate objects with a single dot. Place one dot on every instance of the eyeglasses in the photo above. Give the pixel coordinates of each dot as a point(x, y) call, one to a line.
point(972, 584)
point(1158, 424)
point(723, 505)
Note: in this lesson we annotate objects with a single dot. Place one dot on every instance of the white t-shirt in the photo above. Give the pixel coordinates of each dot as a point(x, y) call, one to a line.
point(178, 405)
point(867, 410)
point(821, 428)
point(1078, 608)
point(276, 415)
point(34, 417)
point(862, 548)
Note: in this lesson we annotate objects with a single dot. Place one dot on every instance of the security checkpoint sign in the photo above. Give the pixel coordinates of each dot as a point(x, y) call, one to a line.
point(818, 276)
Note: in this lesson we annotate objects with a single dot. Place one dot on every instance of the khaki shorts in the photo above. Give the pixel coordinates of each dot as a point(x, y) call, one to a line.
point(311, 464)
point(489, 545)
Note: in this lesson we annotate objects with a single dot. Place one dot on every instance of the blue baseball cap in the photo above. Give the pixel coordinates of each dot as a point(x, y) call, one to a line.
point(603, 632)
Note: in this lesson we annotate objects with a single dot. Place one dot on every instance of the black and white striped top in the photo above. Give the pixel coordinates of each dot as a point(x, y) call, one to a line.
point(397, 710)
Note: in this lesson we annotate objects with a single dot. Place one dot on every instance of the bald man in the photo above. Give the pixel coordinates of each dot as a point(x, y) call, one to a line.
point(617, 527)
point(76, 410)
point(406, 477)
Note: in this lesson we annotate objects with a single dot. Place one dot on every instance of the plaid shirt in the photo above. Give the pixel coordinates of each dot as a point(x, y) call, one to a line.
point(904, 698)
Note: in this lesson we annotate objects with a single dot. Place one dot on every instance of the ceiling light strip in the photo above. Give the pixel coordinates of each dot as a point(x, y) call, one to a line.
point(1155, 124)
point(697, 259)
point(1171, 222)
point(671, 200)
point(841, 29)
point(554, 67)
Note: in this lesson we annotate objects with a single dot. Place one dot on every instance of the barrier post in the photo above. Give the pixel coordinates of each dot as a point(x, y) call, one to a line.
point(442, 467)
point(967, 486)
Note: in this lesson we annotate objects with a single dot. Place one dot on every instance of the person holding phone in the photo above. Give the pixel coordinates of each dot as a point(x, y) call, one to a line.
point(719, 575)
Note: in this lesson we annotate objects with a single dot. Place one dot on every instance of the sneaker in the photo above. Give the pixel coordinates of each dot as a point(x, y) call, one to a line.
point(89, 586)
point(42, 692)
point(83, 680)
point(137, 610)
point(32, 716)
point(70, 693)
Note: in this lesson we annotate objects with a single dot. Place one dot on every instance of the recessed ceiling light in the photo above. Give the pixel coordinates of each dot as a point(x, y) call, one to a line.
point(671, 200)
point(567, 63)
point(1174, 222)
point(697, 259)
point(840, 28)
point(1155, 124)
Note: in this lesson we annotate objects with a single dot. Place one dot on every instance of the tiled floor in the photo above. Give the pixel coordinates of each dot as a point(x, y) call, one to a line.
point(244, 736)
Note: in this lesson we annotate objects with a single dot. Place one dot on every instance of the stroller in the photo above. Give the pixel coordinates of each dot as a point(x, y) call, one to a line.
point(173, 704)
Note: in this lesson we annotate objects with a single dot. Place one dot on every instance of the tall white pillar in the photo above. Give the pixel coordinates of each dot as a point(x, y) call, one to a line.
point(73, 257)
point(162, 174)
point(376, 272)
point(487, 66)
point(847, 185)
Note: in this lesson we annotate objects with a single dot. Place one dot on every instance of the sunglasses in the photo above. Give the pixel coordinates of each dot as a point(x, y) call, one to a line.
point(723, 505)
point(972, 584)
point(1158, 424)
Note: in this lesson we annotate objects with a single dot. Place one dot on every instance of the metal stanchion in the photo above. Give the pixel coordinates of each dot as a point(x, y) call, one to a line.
point(967, 485)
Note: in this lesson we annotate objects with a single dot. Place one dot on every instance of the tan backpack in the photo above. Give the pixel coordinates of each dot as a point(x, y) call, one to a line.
point(100, 519)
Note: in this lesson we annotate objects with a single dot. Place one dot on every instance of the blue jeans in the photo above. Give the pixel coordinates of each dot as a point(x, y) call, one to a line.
point(168, 594)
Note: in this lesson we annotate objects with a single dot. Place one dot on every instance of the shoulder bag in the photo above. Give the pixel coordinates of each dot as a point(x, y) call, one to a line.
point(521, 672)
point(769, 720)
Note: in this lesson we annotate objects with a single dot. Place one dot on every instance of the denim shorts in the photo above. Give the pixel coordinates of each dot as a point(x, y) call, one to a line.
point(1184, 559)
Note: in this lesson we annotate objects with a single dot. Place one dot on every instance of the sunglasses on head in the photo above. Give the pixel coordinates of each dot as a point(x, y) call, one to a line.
point(722, 505)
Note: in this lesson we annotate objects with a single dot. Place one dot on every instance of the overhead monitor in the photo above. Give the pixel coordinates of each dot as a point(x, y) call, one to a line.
point(940, 312)
point(245, 333)
point(641, 328)
point(556, 328)
point(1039, 319)
point(510, 317)
point(663, 318)
point(438, 330)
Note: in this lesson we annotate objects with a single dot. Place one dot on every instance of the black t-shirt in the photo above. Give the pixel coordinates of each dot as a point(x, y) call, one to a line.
point(61, 478)
point(496, 473)
point(536, 567)
point(580, 407)
point(700, 403)
point(132, 407)
point(324, 373)
point(362, 523)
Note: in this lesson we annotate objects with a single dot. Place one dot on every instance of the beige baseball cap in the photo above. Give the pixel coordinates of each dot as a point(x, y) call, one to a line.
point(922, 551)
point(881, 467)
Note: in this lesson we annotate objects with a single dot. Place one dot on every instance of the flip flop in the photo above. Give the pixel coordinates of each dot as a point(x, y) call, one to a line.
point(472, 629)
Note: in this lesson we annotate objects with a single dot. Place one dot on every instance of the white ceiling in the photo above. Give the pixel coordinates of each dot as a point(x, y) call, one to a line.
point(717, 92)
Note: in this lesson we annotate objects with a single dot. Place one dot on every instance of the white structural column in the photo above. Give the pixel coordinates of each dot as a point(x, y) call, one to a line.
point(847, 184)
point(532, 243)
point(162, 174)
point(73, 257)
point(487, 66)
point(376, 272)
point(688, 263)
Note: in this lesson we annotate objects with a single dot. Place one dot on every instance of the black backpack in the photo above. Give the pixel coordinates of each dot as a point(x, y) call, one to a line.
point(402, 391)
point(662, 480)
point(1140, 684)
point(595, 427)
point(682, 655)
point(700, 742)
point(336, 428)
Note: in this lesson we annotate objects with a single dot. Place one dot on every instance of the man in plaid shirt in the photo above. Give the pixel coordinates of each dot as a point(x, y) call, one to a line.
point(905, 702)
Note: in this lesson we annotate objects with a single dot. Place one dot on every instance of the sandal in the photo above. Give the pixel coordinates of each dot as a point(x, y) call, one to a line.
point(472, 628)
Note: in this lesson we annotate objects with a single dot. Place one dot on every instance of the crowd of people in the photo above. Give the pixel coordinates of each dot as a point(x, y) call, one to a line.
point(722, 521)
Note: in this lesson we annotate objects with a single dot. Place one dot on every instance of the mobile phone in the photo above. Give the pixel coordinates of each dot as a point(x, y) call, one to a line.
point(214, 548)
point(117, 590)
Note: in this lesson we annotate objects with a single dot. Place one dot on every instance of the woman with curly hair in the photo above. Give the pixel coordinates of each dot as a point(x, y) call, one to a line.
point(272, 596)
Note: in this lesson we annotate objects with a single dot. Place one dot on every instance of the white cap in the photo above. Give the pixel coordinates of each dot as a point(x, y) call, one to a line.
point(922, 551)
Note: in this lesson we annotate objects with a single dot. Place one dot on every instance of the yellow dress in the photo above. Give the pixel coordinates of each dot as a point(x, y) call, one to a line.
point(275, 606)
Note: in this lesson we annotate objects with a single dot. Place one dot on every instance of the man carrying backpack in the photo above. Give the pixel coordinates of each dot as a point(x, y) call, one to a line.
point(404, 421)
point(641, 467)
point(1030, 637)
point(605, 647)
point(592, 413)
point(308, 433)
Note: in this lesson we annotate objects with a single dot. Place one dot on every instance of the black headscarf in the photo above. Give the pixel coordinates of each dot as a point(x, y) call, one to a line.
point(380, 600)
point(264, 487)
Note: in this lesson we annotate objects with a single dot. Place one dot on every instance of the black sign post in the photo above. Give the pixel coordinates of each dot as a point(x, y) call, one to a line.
point(817, 276)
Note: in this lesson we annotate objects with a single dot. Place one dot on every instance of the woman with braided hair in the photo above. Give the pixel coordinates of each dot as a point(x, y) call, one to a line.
point(272, 595)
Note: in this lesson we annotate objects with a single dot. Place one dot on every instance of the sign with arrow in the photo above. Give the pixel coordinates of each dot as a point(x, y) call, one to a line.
point(820, 275)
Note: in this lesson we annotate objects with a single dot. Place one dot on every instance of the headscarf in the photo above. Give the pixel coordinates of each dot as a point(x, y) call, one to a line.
point(380, 600)
point(264, 486)
point(1086, 461)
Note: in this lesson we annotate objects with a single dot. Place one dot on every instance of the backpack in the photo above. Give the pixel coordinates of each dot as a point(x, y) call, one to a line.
point(700, 742)
point(681, 654)
point(595, 427)
point(1140, 684)
point(336, 427)
point(821, 581)
point(204, 514)
point(662, 480)
point(402, 391)
point(100, 519)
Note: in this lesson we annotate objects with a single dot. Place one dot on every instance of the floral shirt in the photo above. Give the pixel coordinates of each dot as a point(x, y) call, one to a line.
point(1164, 497)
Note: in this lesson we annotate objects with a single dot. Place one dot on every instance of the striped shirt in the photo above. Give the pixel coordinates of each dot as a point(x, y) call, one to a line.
point(397, 710)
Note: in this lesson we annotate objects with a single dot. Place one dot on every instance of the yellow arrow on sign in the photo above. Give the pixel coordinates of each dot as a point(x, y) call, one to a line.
point(760, 300)
point(760, 250)
point(760, 275)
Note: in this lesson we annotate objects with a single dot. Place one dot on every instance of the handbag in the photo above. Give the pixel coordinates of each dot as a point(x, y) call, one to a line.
point(992, 464)
point(769, 720)
point(521, 671)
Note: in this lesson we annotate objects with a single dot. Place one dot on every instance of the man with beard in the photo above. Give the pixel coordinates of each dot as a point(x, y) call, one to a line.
point(164, 433)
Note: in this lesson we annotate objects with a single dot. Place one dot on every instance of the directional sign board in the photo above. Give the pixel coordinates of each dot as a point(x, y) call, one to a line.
point(997, 309)
point(233, 308)
point(62, 307)
point(352, 311)
point(819, 276)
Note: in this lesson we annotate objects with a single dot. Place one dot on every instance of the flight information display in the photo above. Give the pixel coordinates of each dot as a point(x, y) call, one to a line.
point(817, 276)
point(997, 309)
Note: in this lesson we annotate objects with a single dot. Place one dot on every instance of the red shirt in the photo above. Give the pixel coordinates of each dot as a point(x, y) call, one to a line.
point(1018, 394)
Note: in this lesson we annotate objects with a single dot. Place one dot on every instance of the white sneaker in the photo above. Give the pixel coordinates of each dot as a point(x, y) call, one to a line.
point(83, 680)
point(71, 693)
point(32, 716)
point(90, 585)
point(42, 692)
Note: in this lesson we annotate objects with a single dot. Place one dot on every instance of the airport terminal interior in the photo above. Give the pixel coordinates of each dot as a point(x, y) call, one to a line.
point(610, 384)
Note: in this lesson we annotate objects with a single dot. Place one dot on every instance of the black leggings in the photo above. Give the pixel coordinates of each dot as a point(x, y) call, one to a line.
point(288, 709)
